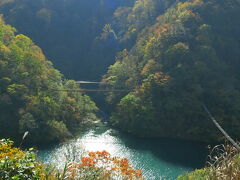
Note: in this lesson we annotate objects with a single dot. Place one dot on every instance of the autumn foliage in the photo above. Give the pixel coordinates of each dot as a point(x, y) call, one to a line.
point(103, 166)
point(18, 164)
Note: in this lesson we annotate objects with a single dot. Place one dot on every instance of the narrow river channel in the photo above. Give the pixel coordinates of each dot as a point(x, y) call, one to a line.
point(159, 159)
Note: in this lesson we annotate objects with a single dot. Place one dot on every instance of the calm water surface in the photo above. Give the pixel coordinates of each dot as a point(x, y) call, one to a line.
point(159, 159)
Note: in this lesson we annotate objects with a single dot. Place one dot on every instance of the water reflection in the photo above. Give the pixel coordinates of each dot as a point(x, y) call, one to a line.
point(157, 158)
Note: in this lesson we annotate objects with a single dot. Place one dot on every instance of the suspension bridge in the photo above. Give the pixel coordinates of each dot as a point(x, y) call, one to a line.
point(92, 90)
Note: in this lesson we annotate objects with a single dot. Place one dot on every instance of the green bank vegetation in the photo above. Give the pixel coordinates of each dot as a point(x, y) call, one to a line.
point(28, 101)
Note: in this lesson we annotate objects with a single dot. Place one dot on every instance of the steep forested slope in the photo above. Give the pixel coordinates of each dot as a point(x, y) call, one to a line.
point(127, 22)
point(67, 31)
point(189, 56)
point(28, 101)
point(175, 56)
point(72, 33)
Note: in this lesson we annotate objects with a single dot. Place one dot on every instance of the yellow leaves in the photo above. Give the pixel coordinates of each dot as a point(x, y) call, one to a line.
point(5, 80)
point(17, 164)
point(23, 42)
point(7, 152)
point(149, 44)
point(98, 164)
point(4, 49)
point(151, 47)
point(71, 100)
point(16, 88)
point(37, 53)
point(189, 4)
point(6, 32)
point(188, 14)
point(23, 48)
point(185, 9)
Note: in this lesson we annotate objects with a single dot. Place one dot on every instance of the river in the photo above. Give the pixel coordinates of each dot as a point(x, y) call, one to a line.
point(158, 159)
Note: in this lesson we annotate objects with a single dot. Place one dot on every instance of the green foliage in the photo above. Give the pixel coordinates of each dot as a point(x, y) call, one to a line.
point(28, 97)
point(67, 31)
point(223, 163)
point(16, 164)
point(182, 58)
point(174, 55)
point(200, 174)
point(130, 21)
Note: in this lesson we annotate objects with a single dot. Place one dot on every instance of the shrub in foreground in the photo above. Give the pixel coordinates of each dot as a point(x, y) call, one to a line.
point(17, 164)
point(224, 163)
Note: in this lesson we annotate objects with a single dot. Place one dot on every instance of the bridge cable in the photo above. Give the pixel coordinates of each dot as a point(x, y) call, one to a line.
point(221, 129)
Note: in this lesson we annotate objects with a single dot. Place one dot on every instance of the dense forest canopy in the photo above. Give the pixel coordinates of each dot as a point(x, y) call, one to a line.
point(67, 31)
point(172, 55)
point(187, 57)
point(161, 60)
point(82, 37)
point(28, 102)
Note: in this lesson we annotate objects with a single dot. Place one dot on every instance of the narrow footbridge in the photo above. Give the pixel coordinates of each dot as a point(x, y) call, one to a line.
point(92, 90)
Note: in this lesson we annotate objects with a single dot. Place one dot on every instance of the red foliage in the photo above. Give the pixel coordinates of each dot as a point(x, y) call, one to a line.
point(110, 166)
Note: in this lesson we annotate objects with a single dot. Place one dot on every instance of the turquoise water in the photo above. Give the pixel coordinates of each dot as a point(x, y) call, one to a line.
point(159, 159)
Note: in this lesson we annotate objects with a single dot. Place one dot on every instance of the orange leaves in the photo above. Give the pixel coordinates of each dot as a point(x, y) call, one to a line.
point(158, 78)
point(103, 154)
point(127, 170)
point(92, 154)
point(96, 165)
point(124, 163)
point(105, 166)
point(161, 78)
point(138, 173)
point(162, 29)
point(88, 161)
point(95, 157)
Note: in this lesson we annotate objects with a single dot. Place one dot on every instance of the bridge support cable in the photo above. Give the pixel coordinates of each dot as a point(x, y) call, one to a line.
point(90, 90)
point(221, 129)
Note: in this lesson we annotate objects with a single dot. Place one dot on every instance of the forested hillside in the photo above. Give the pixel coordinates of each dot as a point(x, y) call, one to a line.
point(171, 58)
point(187, 57)
point(28, 100)
point(162, 65)
point(67, 32)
